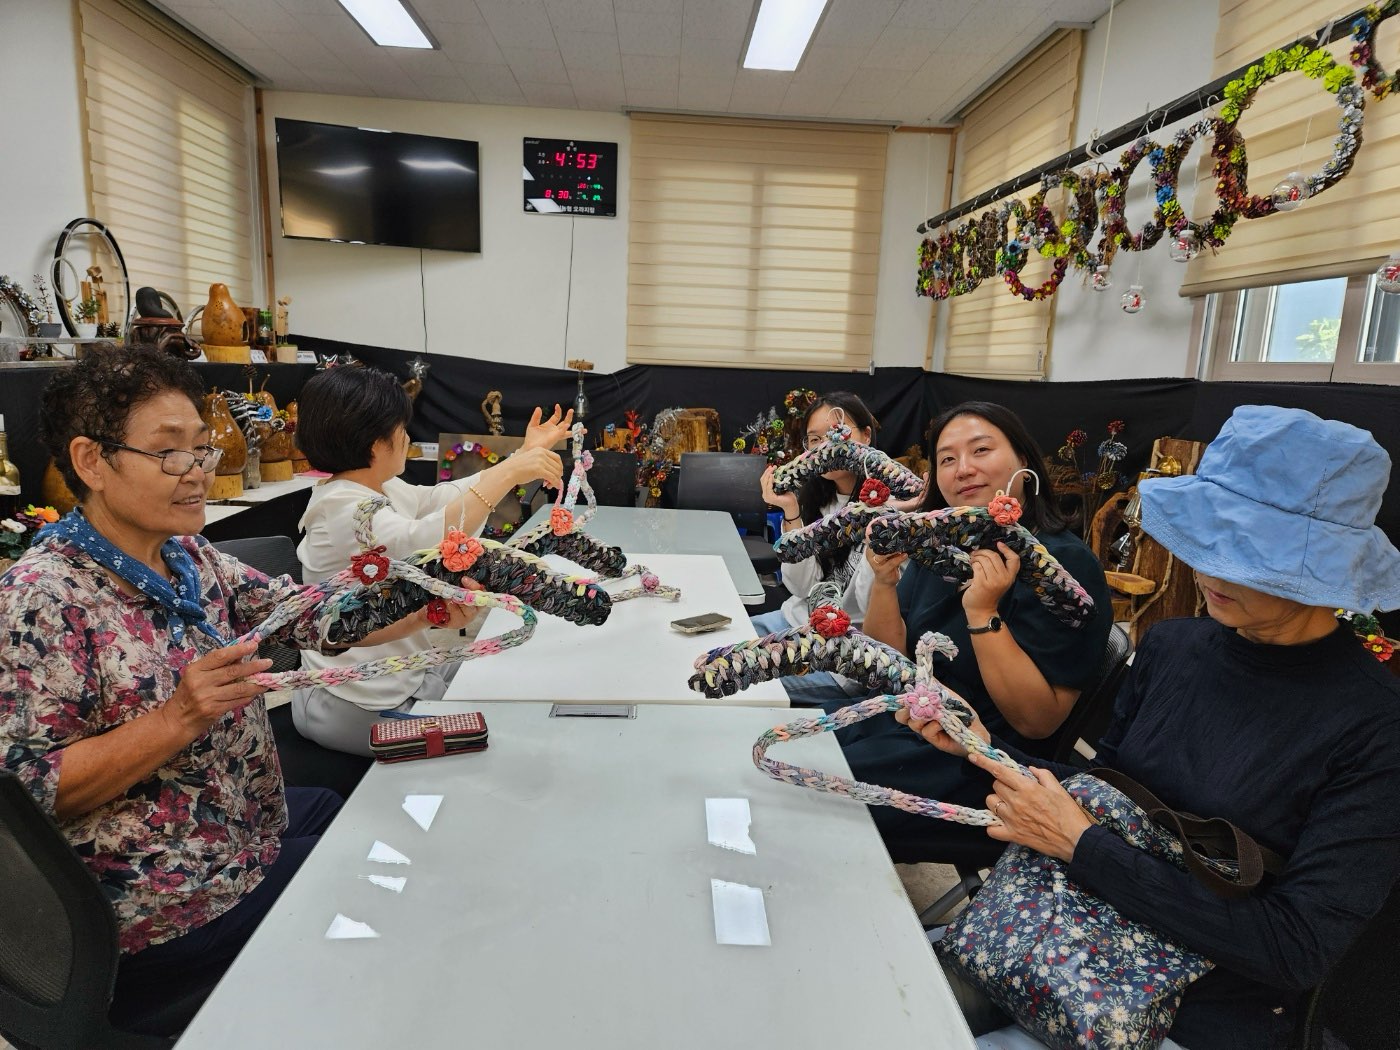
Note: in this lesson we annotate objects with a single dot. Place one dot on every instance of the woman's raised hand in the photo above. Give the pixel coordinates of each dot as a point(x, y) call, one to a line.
point(546, 433)
point(214, 685)
point(886, 567)
point(786, 501)
point(539, 463)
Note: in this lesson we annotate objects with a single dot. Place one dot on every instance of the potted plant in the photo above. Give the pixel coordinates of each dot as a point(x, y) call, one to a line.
point(48, 327)
point(85, 313)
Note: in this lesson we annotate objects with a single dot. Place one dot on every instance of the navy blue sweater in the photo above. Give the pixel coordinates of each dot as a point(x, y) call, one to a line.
point(1300, 747)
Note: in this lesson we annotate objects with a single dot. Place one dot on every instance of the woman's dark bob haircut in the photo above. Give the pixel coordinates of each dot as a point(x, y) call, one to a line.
point(343, 411)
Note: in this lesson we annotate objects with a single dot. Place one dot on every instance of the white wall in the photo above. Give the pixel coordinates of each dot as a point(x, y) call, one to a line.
point(1157, 53)
point(509, 302)
point(41, 161)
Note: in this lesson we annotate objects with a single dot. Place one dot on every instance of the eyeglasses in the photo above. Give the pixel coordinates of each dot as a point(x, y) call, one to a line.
point(176, 462)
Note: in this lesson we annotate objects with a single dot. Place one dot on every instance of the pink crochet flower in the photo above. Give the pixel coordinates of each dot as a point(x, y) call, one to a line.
point(561, 521)
point(829, 621)
point(586, 459)
point(874, 492)
point(1005, 510)
point(923, 703)
point(370, 566)
point(650, 581)
point(459, 551)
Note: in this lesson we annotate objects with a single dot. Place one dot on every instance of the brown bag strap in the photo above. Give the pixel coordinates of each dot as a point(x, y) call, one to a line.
point(1204, 839)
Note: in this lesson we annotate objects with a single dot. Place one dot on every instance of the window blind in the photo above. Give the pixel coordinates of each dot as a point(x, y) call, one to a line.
point(1351, 227)
point(753, 244)
point(169, 152)
point(1016, 125)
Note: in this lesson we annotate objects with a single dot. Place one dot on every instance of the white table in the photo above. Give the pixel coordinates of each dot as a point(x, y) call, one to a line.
point(270, 490)
point(561, 899)
point(651, 530)
point(635, 657)
point(219, 511)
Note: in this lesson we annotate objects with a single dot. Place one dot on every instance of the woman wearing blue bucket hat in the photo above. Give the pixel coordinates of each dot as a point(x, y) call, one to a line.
point(1268, 713)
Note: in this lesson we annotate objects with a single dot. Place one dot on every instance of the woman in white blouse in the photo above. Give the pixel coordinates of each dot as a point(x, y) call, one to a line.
point(353, 424)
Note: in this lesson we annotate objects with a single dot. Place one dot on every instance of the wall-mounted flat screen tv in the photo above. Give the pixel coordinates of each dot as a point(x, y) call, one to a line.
point(366, 186)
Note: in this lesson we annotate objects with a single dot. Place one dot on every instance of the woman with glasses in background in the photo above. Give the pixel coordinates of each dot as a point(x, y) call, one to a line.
point(125, 711)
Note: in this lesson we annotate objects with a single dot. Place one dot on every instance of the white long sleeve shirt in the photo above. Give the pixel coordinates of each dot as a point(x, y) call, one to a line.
point(412, 521)
point(800, 577)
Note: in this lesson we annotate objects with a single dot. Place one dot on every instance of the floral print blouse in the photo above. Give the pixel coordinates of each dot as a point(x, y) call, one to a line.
point(79, 658)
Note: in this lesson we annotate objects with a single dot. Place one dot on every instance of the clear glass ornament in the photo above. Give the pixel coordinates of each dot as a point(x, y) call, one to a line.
point(1100, 281)
point(1132, 300)
point(1388, 275)
point(1291, 191)
point(1184, 246)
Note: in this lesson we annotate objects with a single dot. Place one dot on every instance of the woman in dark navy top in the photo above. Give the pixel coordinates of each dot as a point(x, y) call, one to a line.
point(1018, 666)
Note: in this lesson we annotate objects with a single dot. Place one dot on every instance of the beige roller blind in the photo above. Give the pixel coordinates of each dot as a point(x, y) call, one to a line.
point(1019, 124)
point(754, 243)
point(169, 152)
point(1348, 229)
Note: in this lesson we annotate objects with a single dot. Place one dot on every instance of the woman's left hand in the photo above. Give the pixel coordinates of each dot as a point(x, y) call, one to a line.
point(913, 503)
point(1037, 813)
point(546, 433)
point(993, 573)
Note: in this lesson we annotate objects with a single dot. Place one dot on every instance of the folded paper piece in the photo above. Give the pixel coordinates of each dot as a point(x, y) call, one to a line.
point(727, 823)
point(422, 808)
point(343, 928)
point(740, 917)
point(388, 882)
point(385, 854)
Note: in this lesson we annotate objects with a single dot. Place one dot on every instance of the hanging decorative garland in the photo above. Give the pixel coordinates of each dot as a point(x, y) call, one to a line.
point(957, 262)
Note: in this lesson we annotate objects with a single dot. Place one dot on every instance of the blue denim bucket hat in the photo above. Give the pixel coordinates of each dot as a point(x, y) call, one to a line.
point(1283, 502)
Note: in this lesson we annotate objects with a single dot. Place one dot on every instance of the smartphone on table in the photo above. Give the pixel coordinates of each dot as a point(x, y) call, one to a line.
point(701, 624)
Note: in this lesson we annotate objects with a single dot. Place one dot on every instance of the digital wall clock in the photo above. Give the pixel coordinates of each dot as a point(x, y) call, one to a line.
point(571, 177)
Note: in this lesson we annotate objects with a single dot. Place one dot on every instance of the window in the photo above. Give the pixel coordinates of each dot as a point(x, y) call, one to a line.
point(753, 244)
point(1339, 329)
point(169, 151)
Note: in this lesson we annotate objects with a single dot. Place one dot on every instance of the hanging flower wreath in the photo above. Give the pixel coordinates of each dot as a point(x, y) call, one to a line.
point(1072, 236)
point(1316, 64)
point(462, 448)
point(1363, 55)
point(930, 281)
point(1114, 195)
point(1228, 150)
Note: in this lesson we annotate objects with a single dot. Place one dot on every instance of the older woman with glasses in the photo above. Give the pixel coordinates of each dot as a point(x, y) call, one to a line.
point(124, 710)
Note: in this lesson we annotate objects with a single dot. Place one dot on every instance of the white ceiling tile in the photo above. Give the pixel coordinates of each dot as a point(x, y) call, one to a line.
point(583, 51)
point(269, 26)
point(550, 96)
point(705, 94)
point(267, 63)
point(607, 102)
point(903, 48)
point(539, 65)
point(518, 23)
point(1078, 10)
point(758, 91)
point(650, 72)
point(652, 98)
point(306, 51)
point(337, 81)
point(707, 57)
point(855, 23)
point(639, 33)
point(418, 63)
point(717, 19)
point(468, 42)
point(337, 31)
point(852, 109)
point(446, 89)
point(588, 16)
point(493, 84)
point(433, 11)
point(658, 7)
point(312, 7)
point(220, 28)
point(875, 85)
point(826, 64)
point(811, 102)
point(598, 82)
point(935, 14)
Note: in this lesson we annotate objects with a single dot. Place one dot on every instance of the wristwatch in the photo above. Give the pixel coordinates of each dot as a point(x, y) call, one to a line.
point(993, 625)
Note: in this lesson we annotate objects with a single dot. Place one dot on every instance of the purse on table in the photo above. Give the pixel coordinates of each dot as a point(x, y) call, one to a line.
point(428, 736)
point(1065, 964)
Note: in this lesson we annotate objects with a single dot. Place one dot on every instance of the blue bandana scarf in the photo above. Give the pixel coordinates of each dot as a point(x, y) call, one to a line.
point(181, 600)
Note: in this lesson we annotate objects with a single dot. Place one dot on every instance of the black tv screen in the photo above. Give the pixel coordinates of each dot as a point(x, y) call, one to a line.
point(378, 187)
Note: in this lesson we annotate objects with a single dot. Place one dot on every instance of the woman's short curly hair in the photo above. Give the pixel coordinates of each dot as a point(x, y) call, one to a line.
point(95, 398)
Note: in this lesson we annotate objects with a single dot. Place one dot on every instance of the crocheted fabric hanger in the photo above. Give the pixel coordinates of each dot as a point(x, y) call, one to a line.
point(354, 602)
point(563, 534)
point(840, 452)
point(827, 643)
point(940, 541)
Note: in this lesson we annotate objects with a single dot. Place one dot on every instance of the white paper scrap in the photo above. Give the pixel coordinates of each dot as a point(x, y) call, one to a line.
point(346, 929)
point(388, 882)
point(727, 823)
point(740, 917)
point(385, 854)
point(422, 808)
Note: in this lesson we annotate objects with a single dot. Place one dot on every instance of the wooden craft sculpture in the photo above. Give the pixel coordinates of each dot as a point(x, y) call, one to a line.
point(155, 324)
point(491, 410)
point(225, 435)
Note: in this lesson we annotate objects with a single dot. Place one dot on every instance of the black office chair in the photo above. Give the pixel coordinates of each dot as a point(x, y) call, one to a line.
point(729, 481)
point(968, 849)
point(58, 941)
point(305, 763)
point(1356, 1006)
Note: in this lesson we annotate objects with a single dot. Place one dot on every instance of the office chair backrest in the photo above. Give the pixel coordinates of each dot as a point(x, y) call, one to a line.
point(726, 481)
point(1357, 1003)
point(1092, 712)
point(58, 936)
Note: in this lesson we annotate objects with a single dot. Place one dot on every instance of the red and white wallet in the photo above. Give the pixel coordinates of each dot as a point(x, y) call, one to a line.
point(428, 736)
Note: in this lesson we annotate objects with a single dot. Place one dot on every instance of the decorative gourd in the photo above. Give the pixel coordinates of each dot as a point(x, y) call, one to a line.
point(225, 435)
point(222, 323)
